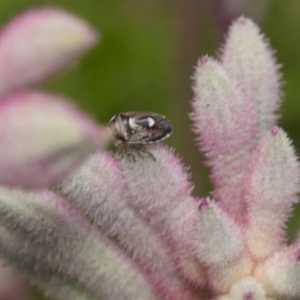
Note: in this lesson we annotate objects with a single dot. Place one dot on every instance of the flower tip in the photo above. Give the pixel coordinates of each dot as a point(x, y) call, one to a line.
point(204, 60)
point(275, 130)
point(247, 288)
point(203, 204)
point(242, 20)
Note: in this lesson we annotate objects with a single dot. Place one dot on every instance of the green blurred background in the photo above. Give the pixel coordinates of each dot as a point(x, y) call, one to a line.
point(147, 52)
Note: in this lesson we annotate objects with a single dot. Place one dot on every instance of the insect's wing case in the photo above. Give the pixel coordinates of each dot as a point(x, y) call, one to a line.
point(160, 130)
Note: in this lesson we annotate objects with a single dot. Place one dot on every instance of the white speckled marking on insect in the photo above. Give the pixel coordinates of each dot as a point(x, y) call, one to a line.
point(131, 123)
point(151, 122)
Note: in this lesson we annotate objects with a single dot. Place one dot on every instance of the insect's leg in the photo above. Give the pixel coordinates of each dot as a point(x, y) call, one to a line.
point(120, 150)
point(129, 153)
point(141, 148)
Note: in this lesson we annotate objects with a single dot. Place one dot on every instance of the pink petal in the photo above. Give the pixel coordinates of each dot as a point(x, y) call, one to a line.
point(280, 273)
point(271, 188)
point(98, 189)
point(160, 190)
point(249, 61)
point(43, 139)
point(219, 238)
point(39, 43)
point(226, 130)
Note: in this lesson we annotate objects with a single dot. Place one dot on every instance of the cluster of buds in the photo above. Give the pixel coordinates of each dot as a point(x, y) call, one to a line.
point(81, 224)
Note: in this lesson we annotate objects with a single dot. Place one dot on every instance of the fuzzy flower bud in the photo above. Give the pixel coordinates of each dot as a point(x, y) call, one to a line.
point(43, 138)
point(48, 227)
point(250, 63)
point(219, 239)
point(271, 188)
point(225, 129)
point(107, 206)
point(162, 195)
point(280, 272)
point(39, 43)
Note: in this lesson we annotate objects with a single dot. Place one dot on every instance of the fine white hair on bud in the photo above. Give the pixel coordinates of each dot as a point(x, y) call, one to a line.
point(219, 239)
point(48, 227)
point(247, 288)
point(160, 190)
point(280, 272)
point(271, 186)
point(250, 63)
point(223, 278)
point(225, 127)
point(99, 181)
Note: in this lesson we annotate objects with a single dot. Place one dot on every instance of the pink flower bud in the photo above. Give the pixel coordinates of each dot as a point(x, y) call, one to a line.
point(226, 130)
point(219, 239)
point(250, 63)
point(280, 272)
point(43, 138)
point(271, 187)
point(39, 43)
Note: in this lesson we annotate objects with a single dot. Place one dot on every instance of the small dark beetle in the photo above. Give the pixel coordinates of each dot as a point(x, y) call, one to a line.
point(135, 130)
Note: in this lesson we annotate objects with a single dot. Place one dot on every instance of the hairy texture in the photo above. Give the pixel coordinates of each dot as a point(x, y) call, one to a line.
point(219, 239)
point(222, 278)
point(247, 288)
point(271, 188)
point(249, 61)
point(39, 43)
point(48, 226)
point(225, 128)
point(98, 190)
point(37, 152)
point(162, 195)
point(280, 272)
point(56, 286)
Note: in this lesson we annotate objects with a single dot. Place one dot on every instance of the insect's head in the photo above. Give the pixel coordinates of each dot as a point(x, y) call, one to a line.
point(119, 128)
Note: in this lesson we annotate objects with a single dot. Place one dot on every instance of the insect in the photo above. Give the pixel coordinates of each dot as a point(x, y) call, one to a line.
point(135, 130)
